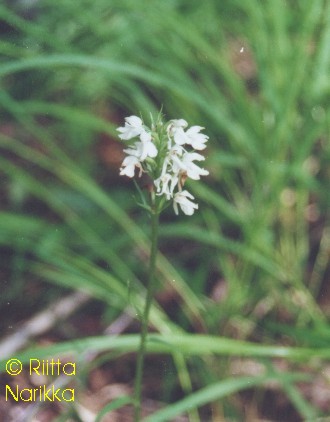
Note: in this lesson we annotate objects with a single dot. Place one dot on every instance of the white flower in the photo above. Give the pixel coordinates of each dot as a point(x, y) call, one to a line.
point(175, 129)
point(186, 165)
point(191, 137)
point(146, 149)
point(173, 152)
point(128, 166)
point(166, 184)
point(142, 150)
point(133, 127)
point(149, 150)
point(135, 156)
point(187, 206)
point(195, 139)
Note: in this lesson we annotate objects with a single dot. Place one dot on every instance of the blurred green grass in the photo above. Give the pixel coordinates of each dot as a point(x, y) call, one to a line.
point(256, 76)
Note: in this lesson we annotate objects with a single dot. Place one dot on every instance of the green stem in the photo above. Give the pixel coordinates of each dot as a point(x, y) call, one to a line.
point(145, 316)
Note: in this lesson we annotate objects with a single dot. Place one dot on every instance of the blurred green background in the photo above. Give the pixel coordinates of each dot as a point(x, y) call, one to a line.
point(252, 264)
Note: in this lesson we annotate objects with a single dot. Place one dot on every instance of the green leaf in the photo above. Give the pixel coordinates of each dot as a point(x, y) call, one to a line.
point(115, 404)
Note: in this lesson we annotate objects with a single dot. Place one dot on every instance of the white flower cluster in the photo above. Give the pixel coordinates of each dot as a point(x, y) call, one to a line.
point(162, 153)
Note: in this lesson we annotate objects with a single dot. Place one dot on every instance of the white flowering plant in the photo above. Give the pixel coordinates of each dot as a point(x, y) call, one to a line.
point(166, 152)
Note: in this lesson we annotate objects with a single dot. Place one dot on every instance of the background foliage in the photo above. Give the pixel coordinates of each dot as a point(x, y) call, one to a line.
point(250, 269)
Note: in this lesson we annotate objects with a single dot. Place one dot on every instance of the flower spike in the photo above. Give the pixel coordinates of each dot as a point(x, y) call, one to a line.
point(166, 152)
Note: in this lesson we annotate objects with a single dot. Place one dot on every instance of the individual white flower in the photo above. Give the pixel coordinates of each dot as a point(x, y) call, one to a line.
point(195, 139)
point(135, 156)
point(186, 165)
point(133, 127)
point(173, 152)
point(148, 149)
point(128, 166)
point(167, 165)
point(166, 184)
point(142, 150)
point(187, 206)
point(175, 129)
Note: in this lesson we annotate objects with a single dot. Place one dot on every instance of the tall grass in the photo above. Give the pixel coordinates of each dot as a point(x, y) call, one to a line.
point(255, 74)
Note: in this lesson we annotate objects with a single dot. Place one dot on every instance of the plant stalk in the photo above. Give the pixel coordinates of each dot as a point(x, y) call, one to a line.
point(145, 315)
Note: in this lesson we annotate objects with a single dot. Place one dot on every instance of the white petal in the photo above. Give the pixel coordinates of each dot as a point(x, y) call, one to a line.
point(187, 194)
point(148, 149)
point(145, 136)
point(128, 166)
point(181, 198)
point(134, 121)
point(195, 139)
point(178, 165)
point(195, 129)
point(133, 127)
point(152, 150)
point(180, 138)
point(176, 123)
point(191, 156)
point(165, 185)
point(193, 171)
